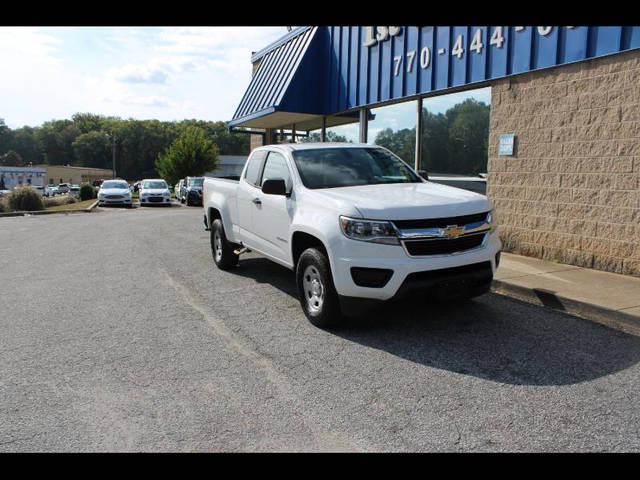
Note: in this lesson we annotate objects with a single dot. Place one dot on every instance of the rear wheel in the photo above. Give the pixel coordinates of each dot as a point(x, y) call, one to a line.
point(317, 294)
point(221, 248)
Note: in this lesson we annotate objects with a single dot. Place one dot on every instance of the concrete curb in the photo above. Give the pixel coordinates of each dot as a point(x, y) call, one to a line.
point(48, 212)
point(615, 319)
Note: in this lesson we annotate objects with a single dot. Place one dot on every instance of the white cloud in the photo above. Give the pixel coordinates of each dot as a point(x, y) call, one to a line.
point(143, 72)
point(28, 43)
point(136, 75)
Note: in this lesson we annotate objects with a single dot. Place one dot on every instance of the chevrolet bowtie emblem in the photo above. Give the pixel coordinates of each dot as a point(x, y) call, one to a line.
point(452, 231)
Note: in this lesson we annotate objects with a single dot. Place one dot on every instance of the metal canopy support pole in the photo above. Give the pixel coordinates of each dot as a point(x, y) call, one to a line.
point(324, 129)
point(269, 134)
point(418, 157)
point(293, 133)
point(364, 126)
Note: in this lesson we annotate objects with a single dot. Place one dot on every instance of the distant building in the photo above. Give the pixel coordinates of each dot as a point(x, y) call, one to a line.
point(230, 165)
point(56, 174)
point(13, 177)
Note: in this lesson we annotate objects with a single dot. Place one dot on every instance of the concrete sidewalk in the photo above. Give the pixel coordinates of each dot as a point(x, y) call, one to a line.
point(607, 298)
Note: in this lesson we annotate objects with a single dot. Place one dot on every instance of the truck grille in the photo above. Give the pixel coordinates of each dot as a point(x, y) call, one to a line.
point(443, 246)
point(113, 197)
point(440, 222)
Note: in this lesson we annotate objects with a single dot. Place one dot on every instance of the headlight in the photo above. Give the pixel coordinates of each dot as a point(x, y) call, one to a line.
point(374, 231)
point(100, 194)
point(491, 219)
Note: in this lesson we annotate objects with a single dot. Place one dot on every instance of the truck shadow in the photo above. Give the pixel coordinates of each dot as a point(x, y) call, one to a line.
point(493, 337)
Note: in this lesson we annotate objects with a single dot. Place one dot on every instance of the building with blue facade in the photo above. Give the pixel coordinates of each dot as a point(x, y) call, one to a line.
point(562, 142)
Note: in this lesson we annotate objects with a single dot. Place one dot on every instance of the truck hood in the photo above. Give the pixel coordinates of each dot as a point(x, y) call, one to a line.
point(407, 201)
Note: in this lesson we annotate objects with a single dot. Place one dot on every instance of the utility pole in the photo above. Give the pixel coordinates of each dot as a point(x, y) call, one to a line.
point(113, 152)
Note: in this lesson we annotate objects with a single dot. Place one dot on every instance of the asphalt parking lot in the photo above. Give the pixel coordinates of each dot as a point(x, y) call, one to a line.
point(119, 334)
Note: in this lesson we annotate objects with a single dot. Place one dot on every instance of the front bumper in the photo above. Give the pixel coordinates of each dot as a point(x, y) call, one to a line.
point(395, 258)
point(111, 201)
point(155, 201)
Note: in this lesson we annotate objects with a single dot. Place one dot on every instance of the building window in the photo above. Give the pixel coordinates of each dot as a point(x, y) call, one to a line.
point(455, 132)
point(394, 127)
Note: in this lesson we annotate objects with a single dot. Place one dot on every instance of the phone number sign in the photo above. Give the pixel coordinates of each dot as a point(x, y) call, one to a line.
point(375, 64)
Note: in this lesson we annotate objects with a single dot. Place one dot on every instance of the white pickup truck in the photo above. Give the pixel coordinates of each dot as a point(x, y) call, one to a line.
point(355, 223)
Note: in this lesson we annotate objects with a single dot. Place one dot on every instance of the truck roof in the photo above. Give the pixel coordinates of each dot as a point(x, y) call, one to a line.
point(316, 145)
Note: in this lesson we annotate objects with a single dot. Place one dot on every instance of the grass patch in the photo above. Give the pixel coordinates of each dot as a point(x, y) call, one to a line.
point(74, 206)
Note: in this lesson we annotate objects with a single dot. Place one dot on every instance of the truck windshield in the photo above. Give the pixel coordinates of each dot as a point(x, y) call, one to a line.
point(350, 166)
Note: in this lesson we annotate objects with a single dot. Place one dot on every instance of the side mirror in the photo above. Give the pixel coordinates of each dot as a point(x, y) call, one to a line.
point(423, 174)
point(274, 186)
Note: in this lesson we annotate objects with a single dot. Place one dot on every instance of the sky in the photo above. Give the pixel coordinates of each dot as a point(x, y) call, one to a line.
point(164, 73)
point(168, 73)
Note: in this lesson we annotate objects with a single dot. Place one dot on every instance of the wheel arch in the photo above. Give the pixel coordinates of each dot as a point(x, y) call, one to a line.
point(300, 241)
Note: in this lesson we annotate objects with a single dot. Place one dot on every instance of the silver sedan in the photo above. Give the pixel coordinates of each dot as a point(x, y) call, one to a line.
point(114, 192)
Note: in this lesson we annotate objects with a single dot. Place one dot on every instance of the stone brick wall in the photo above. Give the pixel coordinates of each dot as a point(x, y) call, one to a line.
point(571, 191)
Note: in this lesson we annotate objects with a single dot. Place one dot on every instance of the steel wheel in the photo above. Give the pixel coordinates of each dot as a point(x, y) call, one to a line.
point(217, 245)
point(313, 288)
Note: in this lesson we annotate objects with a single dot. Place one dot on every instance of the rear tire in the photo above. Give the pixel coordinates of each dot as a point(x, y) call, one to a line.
point(316, 292)
point(221, 248)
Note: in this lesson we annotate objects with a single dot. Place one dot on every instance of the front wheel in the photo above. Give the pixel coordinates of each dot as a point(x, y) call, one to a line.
point(317, 294)
point(221, 249)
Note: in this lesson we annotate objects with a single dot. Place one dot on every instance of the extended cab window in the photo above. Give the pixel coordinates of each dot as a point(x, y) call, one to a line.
point(252, 173)
point(276, 167)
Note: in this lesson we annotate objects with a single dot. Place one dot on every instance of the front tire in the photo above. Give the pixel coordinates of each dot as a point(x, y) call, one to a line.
point(316, 292)
point(221, 249)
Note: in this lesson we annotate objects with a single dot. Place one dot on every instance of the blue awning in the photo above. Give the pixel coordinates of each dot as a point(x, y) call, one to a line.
point(268, 89)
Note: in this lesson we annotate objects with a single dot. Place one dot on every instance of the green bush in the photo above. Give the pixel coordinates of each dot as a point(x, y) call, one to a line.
point(69, 200)
point(87, 192)
point(25, 199)
point(3, 206)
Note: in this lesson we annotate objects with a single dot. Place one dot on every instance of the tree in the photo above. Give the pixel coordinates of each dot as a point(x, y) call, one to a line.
point(468, 137)
point(11, 159)
point(435, 135)
point(317, 137)
point(5, 137)
point(51, 144)
point(87, 122)
point(26, 144)
point(401, 142)
point(92, 149)
point(191, 154)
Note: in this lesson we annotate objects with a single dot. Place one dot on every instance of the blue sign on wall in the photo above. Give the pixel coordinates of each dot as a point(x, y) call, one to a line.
point(375, 64)
point(329, 70)
point(505, 147)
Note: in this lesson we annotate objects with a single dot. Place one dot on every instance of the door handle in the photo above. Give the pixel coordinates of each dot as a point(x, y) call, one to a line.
point(257, 201)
